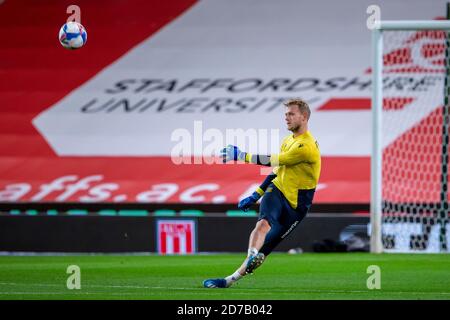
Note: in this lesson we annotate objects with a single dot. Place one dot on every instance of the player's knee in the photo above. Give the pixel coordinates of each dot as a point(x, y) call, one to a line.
point(263, 226)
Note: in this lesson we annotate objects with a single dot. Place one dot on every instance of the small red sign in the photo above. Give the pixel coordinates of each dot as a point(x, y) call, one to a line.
point(176, 236)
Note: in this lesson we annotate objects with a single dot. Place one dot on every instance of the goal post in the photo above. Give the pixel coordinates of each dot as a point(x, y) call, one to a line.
point(410, 124)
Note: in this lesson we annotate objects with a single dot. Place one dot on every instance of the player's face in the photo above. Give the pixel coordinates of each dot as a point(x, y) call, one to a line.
point(294, 118)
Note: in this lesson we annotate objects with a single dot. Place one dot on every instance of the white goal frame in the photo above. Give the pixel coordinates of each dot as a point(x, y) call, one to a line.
point(377, 107)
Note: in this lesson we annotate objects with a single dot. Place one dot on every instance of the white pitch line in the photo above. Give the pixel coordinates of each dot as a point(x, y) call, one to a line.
point(67, 293)
point(234, 289)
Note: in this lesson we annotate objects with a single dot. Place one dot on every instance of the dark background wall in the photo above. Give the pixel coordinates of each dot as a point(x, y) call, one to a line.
point(138, 234)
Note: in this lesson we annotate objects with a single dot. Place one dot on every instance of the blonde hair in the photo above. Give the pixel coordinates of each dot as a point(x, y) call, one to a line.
point(302, 106)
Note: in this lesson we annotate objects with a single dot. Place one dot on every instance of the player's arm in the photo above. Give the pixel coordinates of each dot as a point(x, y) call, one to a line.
point(291, 157)
point(246, 203)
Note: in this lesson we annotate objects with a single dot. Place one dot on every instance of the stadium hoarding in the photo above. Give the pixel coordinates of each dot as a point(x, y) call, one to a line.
point(115, 234)
point(106, 133)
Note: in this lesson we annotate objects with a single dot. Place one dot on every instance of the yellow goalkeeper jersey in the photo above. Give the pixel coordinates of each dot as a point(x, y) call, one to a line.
point(297, 166)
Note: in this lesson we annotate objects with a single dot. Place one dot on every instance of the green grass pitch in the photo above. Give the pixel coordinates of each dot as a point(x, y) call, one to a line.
point(281, 277)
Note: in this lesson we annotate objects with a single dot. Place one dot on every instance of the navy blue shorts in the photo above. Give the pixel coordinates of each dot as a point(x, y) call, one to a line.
point(282, 218)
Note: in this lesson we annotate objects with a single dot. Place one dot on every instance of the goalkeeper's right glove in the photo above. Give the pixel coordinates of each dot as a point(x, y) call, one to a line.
point(246, 203)
point(230, 153)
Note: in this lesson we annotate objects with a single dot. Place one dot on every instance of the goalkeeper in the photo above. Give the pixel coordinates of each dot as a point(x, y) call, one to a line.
point(287, 193)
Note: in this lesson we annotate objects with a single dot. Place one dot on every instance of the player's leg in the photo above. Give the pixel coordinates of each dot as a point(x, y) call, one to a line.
point(283, 222)
point(270, 204)
point(283, 219)
point(256, 241)
point(258, 236)
point(276, 235)
point(270, 211)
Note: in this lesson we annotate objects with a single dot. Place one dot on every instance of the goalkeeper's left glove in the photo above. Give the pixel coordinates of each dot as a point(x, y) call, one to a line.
point(246, 203)
point(231, 153)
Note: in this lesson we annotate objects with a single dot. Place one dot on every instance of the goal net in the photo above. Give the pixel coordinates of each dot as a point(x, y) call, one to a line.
point(410, 157)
